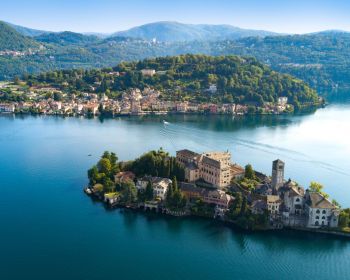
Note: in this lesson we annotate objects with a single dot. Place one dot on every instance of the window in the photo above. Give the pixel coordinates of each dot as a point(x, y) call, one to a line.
point(317, 223)
point(298, 199)
point(317, 217)
point(323, 217)
point(318, 211)
point(324, 212)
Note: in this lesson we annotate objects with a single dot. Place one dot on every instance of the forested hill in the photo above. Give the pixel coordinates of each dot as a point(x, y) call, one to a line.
point(170, 31)
point(187, 77)
point(321, 59)
point(11, 40)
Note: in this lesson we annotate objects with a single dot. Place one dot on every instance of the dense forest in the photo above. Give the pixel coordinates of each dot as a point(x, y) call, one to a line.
point(10, 39)
point(320, 59)
point(188, 77)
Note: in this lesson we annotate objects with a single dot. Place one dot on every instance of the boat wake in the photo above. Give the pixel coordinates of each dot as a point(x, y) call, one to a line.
point(205, 139)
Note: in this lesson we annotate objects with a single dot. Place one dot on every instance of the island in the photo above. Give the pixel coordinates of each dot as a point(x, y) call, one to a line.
point(180, 84)
point(209, 185)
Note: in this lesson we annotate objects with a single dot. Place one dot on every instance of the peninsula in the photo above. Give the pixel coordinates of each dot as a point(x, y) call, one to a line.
point(210, 185)
point(180, 84)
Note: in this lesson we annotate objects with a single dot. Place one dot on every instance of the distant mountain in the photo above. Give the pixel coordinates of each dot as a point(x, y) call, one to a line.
point(27, 31)
point(66, 38)
point(321, 59)
point(12, 40)
point(330, 31)
point(167, 31)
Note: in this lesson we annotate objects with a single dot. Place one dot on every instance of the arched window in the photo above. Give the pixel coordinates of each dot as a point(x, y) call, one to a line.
point(324, 212)
point(317, 217)
point(323, 223)
point(317, 223)
point(323, 217)
point(298, 199)
point(317, 211)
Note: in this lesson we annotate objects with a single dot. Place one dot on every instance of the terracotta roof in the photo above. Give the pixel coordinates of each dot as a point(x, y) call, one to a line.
point(317, 200)
point(273, 199)
point(188, 187)
point(212, 162)
point(237, 169)
point(187, 153)
point(296, 191)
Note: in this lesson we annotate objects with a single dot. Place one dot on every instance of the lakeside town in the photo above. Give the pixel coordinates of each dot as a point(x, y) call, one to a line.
point(209, 185)
point(15, 97)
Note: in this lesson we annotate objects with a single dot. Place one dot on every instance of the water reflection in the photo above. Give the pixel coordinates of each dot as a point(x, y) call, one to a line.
point(219, 235)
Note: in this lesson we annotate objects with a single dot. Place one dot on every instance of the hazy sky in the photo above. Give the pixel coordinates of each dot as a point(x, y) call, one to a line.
point(295, 16)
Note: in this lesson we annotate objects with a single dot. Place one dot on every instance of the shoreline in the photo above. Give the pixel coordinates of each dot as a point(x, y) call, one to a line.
point(138, 209)
point(307, 110)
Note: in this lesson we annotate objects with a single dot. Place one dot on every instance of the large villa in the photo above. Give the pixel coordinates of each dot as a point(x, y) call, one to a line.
point(213, 167)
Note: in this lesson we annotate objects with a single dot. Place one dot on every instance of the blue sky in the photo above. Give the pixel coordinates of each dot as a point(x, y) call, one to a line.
point(105, 16)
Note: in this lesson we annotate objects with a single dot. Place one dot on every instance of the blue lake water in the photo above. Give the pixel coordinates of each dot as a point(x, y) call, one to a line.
point(51, 230)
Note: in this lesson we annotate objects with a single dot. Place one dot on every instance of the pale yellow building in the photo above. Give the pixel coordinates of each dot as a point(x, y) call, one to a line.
point(212, 167)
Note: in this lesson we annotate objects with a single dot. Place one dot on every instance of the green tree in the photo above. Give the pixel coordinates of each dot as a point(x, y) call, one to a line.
point(149, 191)
point(128, 192)
point(104, 166)
point(317, 187)
point(57, 96)
point(344, 219)
point(108, 185)
point(93, 175)
point(235, 208)
point(249, 172)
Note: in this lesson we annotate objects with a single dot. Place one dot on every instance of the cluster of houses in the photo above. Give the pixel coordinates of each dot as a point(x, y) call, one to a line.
point(286, 203)
point(14, 53)
point(289, 204)
point(132, 102)
point(209, 177)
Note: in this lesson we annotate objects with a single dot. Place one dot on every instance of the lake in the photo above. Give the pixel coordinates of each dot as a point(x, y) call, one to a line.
point(51, 230)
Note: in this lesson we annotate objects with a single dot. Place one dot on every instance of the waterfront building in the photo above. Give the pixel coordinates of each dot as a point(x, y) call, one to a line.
point(214, 196)
point(181, 107)
point(282, 101)
point(277, 174)
point(135, 107)
point(273, 203)
point(122, 177)
point(293, 199)
point(111, 198)
point(191, 191)
point(259, 206)
point(212, 167)
point(91, 108)
point(160, 185)
point(320, 211)
point(218, 197)
point(7, 108)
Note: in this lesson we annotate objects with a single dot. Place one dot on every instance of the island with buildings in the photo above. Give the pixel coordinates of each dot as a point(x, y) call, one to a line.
point(209, 185)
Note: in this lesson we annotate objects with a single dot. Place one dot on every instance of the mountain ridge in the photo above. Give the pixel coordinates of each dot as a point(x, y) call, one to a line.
point(322, 59)
point(172, 31)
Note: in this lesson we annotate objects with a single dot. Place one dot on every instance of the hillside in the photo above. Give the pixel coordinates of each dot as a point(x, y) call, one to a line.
point(187, 77)
point(66, 38)
point(25, 31)
point(321, 59)
point(11, 40)
point(168, 31)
